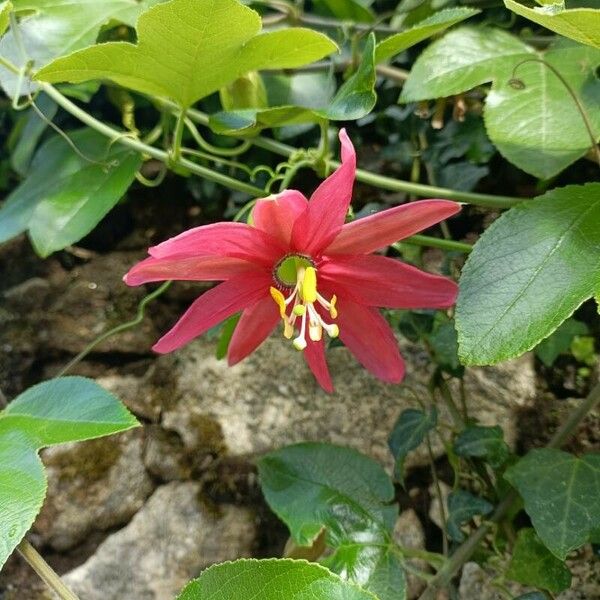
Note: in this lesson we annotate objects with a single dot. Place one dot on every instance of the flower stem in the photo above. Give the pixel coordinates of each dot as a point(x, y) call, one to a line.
point(466, 549)
point(45, 571)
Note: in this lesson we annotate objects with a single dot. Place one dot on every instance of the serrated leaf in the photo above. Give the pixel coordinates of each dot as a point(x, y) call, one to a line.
point(462, 507)
point(483, 442)
point(271, 579)
point(60, 410)
point(221, 33)
point(409, 432)
point(5, 8)
point(532, 564)
point(579, 24)
point(426, 28)
point(528, 272)
point(532, 118)
point(560, 492)
point(59, 27)
point(22, 490)
point(66, 409)
point(312, 486)
point(549, 349)
point(66, 194)
point(463, 59)
point(354, 99)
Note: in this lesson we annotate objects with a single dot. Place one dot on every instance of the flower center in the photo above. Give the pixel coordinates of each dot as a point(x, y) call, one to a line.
point(297, 273)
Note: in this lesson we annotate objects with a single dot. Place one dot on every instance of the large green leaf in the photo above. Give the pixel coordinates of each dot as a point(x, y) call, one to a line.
point(210, 44)
point(528, 272)
point(271, 579)
point(66, 193)
point(463, 59)
point(22, 490)
point(313, 486)
point(532, 564)
point(59, 27)
point(409, 432)
point(580, 24)
point(60, 410)
point(64, 410)
point(5, 8)
point(355, 99)
point(532, 118)
point(561, 494)
point(530, 114)
point(437, 22)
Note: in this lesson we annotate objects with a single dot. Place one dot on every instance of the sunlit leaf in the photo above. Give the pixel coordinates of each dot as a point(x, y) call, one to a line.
point(210, 44)
point(5, 8)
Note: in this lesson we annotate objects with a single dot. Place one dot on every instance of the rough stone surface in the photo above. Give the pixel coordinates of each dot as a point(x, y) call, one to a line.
point(585, 567)
point(92, 486)
point(476, 584)
point(271, 399)
point(165, 545)
point(409, 533)
point(436, 514)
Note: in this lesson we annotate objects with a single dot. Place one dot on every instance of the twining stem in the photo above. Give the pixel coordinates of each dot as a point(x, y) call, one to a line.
point(178, 136)
point(45, 572)
point(466, 549)
point(139, 317)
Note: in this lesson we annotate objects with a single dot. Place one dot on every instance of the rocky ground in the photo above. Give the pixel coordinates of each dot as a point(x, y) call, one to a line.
point(135, 516)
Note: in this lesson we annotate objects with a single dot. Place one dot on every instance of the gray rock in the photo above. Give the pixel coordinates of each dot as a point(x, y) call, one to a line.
point(408, 533)
point(165, 545)
point(476, 584)
point(585, 567)
point(92, 486)
point(271, 399)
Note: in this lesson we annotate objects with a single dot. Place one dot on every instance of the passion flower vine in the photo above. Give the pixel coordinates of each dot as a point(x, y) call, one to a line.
point(300, 264)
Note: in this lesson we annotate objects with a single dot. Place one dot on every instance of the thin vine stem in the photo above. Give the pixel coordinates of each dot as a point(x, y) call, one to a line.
point(467, 548)
point(45, 571)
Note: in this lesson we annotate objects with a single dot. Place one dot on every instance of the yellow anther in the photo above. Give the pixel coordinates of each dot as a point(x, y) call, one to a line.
point(333, 331)
point(309, 285)
point(288, 329)
point(315, 332)
point(299, 343)
point(279, 300)
point(332, 309)
point(299, 310)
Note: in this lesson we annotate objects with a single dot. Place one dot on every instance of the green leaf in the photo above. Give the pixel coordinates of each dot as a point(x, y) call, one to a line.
point(426, 28)
point(350, 10)
point(355, 99)
point(532, 564)
point(226, 334)
point(579, 24)
point(528, 272)
point(549, 349)
point(532, 118)
point(64, 410)
point(22, 490)
point(312, 486)
point(222, 34)
point(5, 8)
point(271, 579)
point(462, 507)
point(463, 59)
point(409, 432)
point(560, 492)
point(59, 27)
point(66, 194)
point(483, 442)
point(60, 410)
point(30, 131)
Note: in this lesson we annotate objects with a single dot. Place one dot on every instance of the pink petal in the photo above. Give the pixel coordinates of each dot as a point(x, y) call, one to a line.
point(369, 337)
point(254, 326)
point(314, 353)
point(322, 220)
point(235, 240)
point(202, 268)
point(276, 214)
point(375, 280)
point(388, 226)
point(214, 306)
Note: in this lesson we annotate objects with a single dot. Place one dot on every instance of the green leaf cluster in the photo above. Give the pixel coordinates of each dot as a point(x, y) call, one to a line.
point(315, 486)
point(61, 410)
